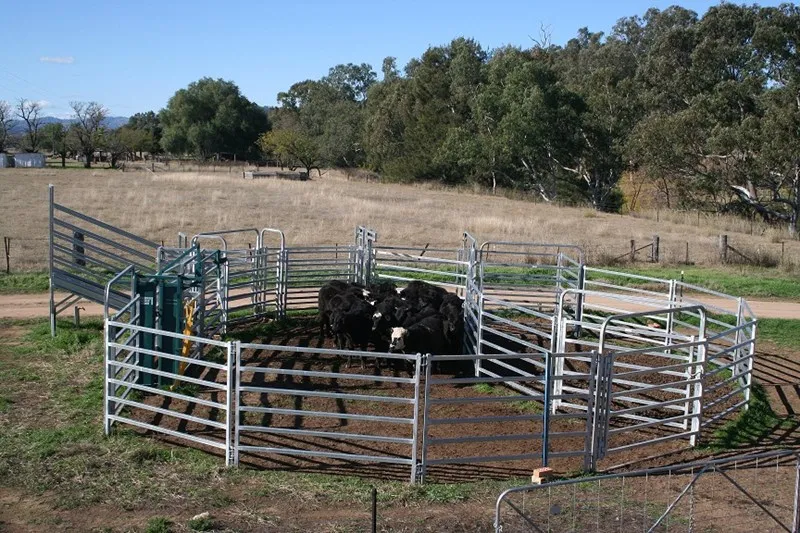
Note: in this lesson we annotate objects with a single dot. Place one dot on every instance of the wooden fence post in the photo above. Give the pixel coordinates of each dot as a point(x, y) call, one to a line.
point(723, 248)
point(633, 250)
point(7, 248)
point(656, 249)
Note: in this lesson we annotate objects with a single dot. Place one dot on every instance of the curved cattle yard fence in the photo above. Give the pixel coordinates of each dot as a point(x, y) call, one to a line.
point(562, 363)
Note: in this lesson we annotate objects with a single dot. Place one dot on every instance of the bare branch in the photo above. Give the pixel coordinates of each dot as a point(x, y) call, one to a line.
point(29, 111)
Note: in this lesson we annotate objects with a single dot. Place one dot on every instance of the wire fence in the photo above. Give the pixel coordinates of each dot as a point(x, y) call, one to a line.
point(756, 492)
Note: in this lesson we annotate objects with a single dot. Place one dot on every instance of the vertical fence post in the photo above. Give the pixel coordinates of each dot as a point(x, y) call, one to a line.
point(656, 249)
point(671, 316)
point(737, 353)
point(285, 284)
point(697, 403)
point(374, 510)
point(687, 253)
point(723, 248)
point(237, 399)
point(591, 412)
point(51, 190)
point(479, 347)
point(426, 402)
point(7, 248)
point(796, 506)
point(231, 387)
point(632, 257)
point(418, 368)
point(548, 385)
point(106, 378)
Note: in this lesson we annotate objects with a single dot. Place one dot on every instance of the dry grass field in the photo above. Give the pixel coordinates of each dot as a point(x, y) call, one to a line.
point(326, 210)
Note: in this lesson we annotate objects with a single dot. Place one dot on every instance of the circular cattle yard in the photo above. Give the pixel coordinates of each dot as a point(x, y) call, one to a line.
point(561, 364)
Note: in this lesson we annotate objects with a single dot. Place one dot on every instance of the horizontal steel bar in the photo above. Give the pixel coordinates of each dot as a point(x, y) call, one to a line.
point(482, 419)
point(483, 399)
point(483, 438)
point(724, 413)
point(736, 376)
point(109, 227)
point(325, 351)
point(155, 372)
point(649, 442)
point(721, 399)
point(482, 459)
point(646, 407)
point(104, 240)
point(199, 340)
point(540, 333)
point(318, 374)
point(324, 394)
point(179, 434)
point(167, 412)
point(330, 455)
point(172, 357)
point(667, 387)
point(325, 414)
point(671, 422)
point(325, 434)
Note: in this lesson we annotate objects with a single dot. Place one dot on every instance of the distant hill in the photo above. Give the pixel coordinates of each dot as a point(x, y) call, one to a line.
point(110, 122)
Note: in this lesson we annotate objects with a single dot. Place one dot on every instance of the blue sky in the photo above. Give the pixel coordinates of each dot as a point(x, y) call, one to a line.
point(133, 58)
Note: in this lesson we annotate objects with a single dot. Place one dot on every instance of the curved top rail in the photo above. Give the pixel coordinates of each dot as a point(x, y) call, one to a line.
point(263, 231)
point(218, 235)
point(211, 236)
point(486, 244)
point(468, 237)
point(111, 282)
point(689, 308)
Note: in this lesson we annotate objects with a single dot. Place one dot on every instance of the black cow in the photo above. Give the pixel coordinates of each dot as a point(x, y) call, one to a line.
point(351, 323)
point(326, 293)
point(420, 294)
point(382, 290)
point(452, 310)
point(426, 336)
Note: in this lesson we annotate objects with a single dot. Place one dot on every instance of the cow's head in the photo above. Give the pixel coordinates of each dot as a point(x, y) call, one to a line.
point(376, 320)
point(397, 340)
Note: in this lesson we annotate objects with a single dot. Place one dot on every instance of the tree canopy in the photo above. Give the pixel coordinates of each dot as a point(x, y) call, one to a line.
point(704, 109)
point(211, 117)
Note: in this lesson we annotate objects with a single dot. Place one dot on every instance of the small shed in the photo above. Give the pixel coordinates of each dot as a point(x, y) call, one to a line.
point(6, 161)
point(29, 160)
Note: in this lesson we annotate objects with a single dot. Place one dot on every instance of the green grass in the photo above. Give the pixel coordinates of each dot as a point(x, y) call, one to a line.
point(24, 283)
point(158, 524)
point(782, 331)
point(737, 281)
point(54, 444)
point(751, 426)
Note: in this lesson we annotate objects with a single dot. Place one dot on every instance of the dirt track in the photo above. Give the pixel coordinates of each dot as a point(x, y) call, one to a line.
point(21, 306)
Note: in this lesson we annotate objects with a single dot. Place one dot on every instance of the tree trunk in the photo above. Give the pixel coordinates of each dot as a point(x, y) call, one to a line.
point(63, 160)
point(87, 163)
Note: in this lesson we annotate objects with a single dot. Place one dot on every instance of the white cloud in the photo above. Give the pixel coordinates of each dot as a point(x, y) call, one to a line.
point(43, 103)
point(61, 60)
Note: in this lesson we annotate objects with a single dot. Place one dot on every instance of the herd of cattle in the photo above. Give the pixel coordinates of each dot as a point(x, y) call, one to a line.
point(420, 318)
